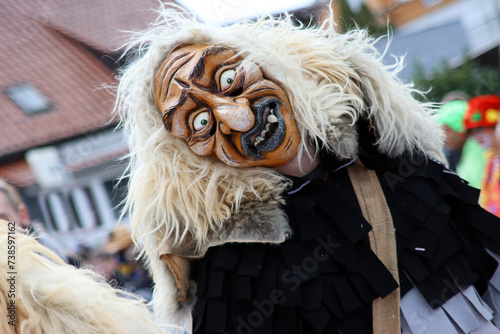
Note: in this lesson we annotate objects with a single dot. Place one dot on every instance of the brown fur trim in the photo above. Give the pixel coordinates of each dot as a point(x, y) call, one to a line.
point(179, 266)
point(256, 221)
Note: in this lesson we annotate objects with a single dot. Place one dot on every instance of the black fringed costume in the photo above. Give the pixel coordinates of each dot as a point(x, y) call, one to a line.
point(324, 278)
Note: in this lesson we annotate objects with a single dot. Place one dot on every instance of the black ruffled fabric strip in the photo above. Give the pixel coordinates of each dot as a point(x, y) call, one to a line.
point(441, 231)
point(325, 276)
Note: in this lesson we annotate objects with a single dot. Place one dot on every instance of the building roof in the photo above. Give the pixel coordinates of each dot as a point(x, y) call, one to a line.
point(51, 45)
point(18, 173)
point(103, 24)
point(430, 47)
point(455, 31)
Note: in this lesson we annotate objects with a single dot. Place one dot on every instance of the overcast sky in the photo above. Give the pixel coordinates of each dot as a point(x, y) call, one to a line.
point(355, 4)
point(225, 11)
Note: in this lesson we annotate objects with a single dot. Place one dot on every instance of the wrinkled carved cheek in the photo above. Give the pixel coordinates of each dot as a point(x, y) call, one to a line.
point(203, 148)
point(236, 140)
point(226, 151)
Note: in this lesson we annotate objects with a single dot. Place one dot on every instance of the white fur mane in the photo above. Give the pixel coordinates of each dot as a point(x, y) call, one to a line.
point(54, 297)
point(331, 79)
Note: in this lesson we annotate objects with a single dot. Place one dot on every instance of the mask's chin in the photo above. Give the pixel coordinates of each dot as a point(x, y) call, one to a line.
point(268, 132)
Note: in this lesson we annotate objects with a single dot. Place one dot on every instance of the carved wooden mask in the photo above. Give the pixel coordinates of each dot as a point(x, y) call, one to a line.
point(225, 108)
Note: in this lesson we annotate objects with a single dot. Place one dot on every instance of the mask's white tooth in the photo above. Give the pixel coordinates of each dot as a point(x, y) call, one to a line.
point(272, 119)
point(258, 140)
point(268, 126)
point(263, 133)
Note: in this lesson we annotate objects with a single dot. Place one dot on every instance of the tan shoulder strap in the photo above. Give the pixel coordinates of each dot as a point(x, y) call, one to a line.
point(371, 199)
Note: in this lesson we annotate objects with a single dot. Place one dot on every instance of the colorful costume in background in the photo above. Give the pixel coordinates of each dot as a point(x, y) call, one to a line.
point(490, 189)
point(217, 116)
point(471, 165)
point(451, 116)
point(482, 112)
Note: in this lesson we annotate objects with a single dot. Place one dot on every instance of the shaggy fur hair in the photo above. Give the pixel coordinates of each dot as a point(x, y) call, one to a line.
point(54, 297)
point(332, 80)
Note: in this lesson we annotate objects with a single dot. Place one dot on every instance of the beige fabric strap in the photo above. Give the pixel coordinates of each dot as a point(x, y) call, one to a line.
point(386, 319)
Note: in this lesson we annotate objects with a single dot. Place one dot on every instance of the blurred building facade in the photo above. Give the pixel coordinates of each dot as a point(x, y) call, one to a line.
point(401, 12)
point(432, 31)
point(58, 144)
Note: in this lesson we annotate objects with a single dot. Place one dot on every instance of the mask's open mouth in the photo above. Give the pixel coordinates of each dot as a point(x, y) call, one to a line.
point(269, 130)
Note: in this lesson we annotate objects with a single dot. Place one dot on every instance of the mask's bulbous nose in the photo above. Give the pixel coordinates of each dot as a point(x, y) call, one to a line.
point(235, 115)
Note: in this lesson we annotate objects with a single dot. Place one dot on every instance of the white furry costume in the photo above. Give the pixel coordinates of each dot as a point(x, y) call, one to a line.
point(182, 204)
point(46, 295)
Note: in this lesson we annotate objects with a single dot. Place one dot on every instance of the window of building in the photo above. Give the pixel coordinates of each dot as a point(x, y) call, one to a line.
point(118, 193)
point(29, 98)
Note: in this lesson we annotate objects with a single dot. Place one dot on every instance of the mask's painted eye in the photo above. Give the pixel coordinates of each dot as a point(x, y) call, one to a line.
point(226, 80)
point(201, 120)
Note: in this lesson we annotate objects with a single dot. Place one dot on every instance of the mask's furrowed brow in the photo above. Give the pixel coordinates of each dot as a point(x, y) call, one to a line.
point(167, 76)
point(169, 113)
point(199, 69)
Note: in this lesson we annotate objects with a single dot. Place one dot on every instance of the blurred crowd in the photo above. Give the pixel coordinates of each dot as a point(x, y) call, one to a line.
point(472, 143)
point(116, 260)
